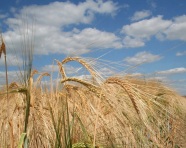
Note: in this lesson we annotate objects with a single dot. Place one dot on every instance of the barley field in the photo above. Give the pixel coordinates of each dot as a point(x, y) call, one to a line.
point(118, 111)
point(114, 112)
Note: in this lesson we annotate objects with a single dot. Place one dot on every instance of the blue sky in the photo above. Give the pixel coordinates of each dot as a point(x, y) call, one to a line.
point(145, 37)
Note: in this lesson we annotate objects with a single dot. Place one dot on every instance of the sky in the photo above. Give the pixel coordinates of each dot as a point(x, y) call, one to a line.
point(145, 37)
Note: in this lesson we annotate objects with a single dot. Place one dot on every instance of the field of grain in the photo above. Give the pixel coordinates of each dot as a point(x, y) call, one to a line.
point(101, 112)
point(118, 112)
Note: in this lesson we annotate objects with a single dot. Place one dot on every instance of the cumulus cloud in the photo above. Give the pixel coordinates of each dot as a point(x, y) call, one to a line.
point(175, 31)
point(173, 71)
point(138, 15)
point(65, 13)
point(132, 42)
point(142, 57)
point(70, 43)
point(138, 33)
point(146, 28)
point(49, 25)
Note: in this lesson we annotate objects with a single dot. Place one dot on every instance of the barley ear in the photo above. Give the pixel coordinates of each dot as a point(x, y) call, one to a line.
point(61, 69)
point(82, 62)
point(3, 48)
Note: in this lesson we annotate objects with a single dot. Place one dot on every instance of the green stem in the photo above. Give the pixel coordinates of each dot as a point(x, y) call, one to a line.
point(27, 110)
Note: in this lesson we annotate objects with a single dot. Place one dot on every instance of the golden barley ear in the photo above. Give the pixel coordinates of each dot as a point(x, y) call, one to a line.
point(127, 88)
point(3, 47)
point(82, 62)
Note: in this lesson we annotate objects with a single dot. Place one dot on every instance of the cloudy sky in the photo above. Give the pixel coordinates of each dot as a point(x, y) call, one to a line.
point(127, 36)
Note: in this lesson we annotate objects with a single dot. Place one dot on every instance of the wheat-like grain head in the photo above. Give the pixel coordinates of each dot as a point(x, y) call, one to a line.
point(81, 61)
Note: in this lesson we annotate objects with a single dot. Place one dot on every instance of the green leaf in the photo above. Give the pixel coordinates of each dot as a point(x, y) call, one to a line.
point(21, 140)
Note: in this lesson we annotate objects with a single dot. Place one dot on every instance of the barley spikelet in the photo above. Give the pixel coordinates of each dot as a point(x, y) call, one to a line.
point(127, 88)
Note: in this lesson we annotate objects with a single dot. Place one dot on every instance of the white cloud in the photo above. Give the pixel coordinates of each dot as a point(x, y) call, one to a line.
point(76, 42)
point(173, 71)
point(175, 31)
point(54, 68)
point(142, 57)
point(65, 13)
point(50, 21)
point(142, 31)
point(132, 42)
point(181, 53)
point(146, 28)
point(138, 15)
point(138, 33)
